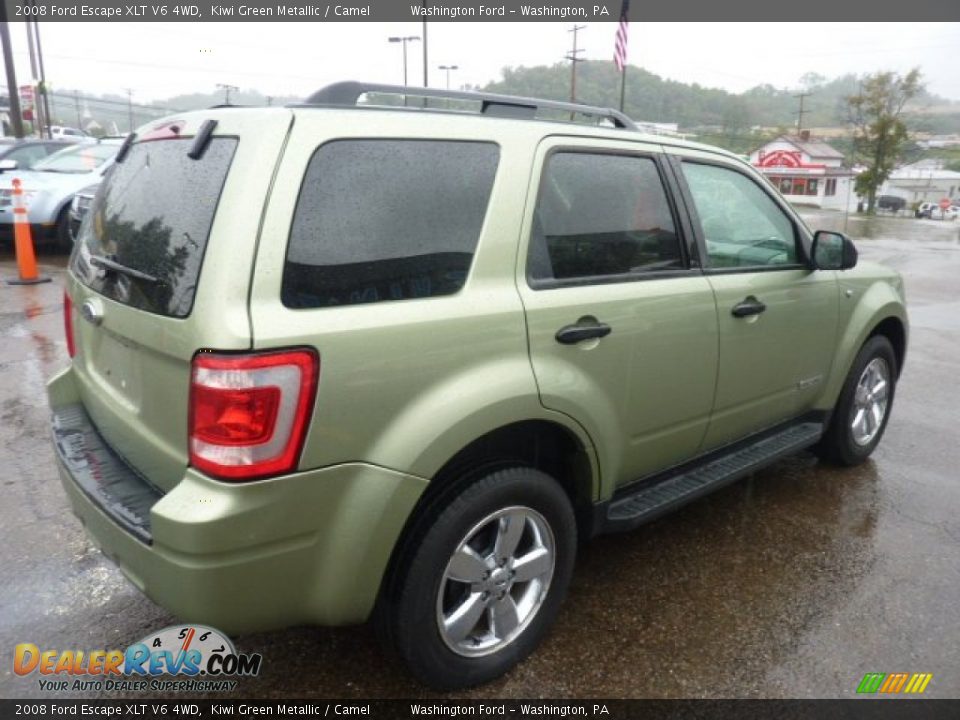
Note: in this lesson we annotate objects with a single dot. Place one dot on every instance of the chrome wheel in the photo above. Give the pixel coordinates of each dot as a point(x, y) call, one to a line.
point(495, 581)
point(870, 401)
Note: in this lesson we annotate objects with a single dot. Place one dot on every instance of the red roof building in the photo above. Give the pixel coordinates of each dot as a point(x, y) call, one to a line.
point(806, 170)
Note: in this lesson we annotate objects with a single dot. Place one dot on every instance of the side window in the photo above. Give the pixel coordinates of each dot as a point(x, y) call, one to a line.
point(601, 216)
point(742, 225)
point(381, 220)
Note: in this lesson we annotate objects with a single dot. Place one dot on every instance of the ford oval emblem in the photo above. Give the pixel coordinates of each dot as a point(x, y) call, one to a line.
point(92, 312)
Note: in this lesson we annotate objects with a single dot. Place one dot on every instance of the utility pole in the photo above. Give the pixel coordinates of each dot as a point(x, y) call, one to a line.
point(574, 57)
point(43, 77)
point(226, 91)
point(37, 111)
point(76, 101)
point(129, 92)
point(269, 100)
point(426, 76)
point(16, 120)
point(801, 112)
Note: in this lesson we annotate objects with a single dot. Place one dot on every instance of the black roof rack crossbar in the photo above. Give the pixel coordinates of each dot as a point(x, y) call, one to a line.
point(349, 92)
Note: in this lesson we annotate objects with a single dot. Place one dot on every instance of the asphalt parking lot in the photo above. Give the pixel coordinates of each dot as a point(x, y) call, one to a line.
point(792, 583)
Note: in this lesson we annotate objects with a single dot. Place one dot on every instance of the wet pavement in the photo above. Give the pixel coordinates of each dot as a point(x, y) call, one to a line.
point(792, 583)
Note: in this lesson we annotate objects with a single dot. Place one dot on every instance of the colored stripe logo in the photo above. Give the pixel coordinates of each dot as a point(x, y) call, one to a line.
point(893, 683)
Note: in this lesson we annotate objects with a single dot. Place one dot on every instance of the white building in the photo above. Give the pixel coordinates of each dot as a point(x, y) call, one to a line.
point(805, 170)
point(923, 181)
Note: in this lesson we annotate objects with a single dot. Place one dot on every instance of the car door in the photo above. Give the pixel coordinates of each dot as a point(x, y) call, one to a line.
point(777, 318)
point(621, 324)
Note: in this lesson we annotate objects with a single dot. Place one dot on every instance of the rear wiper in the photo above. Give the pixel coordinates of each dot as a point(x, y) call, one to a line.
point(108, 263)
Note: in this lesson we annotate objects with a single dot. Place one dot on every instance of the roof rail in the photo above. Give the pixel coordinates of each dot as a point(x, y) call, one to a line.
point(348, 92)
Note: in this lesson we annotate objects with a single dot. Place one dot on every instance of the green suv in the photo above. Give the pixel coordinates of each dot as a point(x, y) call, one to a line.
point(340, 361)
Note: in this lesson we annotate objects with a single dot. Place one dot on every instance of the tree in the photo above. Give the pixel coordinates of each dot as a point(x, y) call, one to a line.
point(879, 132)
point(736, 117)
point(812, 81)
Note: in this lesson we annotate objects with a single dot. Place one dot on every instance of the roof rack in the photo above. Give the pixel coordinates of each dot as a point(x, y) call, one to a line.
point(349, 92)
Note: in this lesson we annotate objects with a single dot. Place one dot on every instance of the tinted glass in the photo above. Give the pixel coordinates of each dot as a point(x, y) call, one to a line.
point(600, 216)
point(742, 224)
point(153, 215)
point(385, 220)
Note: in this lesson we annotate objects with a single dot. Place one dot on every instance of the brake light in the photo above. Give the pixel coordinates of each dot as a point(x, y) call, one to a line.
point(249, 413)
point(68, 324)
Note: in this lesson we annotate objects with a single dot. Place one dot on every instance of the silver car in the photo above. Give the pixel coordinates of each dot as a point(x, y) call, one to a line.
point(51, 184)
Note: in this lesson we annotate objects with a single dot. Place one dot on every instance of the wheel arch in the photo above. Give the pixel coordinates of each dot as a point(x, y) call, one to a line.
point(895, 331)
point(547, 445)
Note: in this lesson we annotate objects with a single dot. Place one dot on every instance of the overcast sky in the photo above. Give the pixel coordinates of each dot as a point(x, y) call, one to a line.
point(161, 60)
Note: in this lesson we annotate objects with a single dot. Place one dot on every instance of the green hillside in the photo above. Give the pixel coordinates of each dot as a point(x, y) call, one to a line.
point(652, 98)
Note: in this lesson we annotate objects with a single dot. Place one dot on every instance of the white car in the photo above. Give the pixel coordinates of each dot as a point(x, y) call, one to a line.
point(69, 133)
point(935, 212)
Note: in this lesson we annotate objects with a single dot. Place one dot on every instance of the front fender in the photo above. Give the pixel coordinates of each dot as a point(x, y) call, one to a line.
point(877, 303)
point(501, 392)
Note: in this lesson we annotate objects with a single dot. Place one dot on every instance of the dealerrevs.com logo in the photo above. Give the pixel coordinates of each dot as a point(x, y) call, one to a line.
point(205, 656)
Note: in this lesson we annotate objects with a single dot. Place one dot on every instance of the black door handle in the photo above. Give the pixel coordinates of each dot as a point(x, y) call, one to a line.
point(748, 306)
point(572, 334)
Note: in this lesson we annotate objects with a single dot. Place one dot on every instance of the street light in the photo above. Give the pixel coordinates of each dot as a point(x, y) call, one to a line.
point(404, 39)
point(448, 68)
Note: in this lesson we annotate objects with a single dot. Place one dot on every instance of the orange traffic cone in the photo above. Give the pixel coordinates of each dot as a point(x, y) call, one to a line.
point(26, 259)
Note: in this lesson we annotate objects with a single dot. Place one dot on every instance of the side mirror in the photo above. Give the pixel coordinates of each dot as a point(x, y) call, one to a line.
point(832, 251)
point(8, 165)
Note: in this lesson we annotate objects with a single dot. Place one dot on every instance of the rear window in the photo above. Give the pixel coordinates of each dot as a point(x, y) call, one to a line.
point(153, 216)
point(381, 220)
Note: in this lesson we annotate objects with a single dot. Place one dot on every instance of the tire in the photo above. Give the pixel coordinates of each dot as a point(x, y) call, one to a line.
point(63, 239)
point(847, 441)
point(502, 617)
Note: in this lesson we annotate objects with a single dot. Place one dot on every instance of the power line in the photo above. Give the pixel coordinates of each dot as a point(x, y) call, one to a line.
point(106, 101)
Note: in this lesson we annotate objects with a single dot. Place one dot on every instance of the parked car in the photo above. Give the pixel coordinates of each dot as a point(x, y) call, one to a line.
point(58, 131)
point(79, 206)
point(333, 362)
point(933, 211)
point(22, 154)
point(891, 202)
point(50, 185)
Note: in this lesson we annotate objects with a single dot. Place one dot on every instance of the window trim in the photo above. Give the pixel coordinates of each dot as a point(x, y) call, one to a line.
point(690, 264)
point(799, 231)
point(389, 138)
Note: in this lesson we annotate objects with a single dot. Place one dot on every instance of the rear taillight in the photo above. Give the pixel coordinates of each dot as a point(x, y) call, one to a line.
point(68, 324)
point(249, 413)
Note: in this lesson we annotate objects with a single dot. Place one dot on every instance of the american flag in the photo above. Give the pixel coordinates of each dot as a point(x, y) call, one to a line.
point(620, 49)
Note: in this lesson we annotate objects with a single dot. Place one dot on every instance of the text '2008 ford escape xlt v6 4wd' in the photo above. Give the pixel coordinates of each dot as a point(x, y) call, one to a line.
point(337, 361)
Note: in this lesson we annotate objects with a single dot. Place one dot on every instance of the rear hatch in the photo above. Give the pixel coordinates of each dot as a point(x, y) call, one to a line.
point(161, 270)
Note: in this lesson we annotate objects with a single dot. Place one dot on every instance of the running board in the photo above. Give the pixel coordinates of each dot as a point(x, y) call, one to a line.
point(690, 482)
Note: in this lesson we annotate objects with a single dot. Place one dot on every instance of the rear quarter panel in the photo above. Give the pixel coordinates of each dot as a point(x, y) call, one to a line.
point(407, 384)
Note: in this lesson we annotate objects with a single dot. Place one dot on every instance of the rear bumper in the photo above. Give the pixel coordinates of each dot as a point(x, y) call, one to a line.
point(305, 548)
